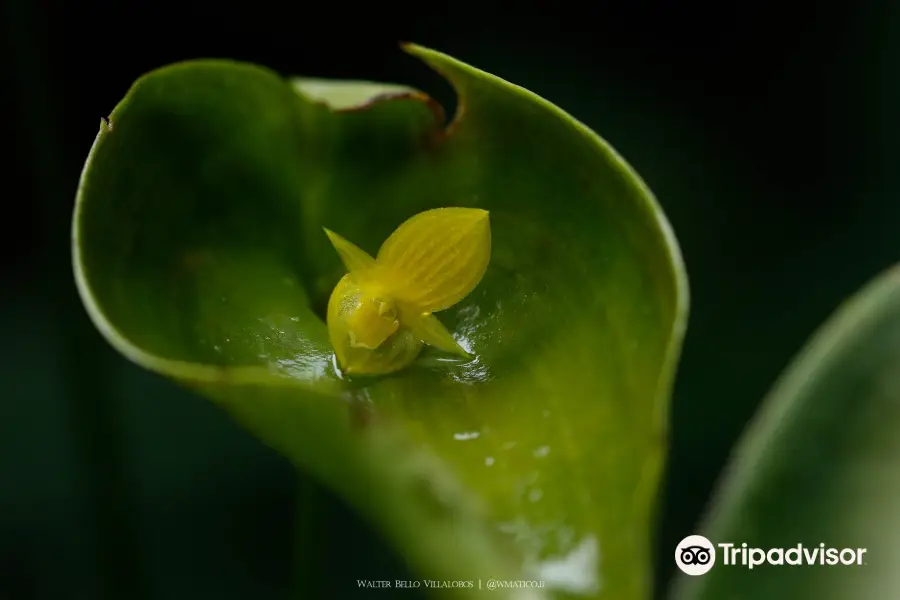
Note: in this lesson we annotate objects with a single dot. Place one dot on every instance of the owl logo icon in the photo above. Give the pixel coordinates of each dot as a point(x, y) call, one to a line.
point(695, 555)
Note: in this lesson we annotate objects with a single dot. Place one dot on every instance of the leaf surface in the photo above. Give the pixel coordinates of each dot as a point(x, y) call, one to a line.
point(200, 254)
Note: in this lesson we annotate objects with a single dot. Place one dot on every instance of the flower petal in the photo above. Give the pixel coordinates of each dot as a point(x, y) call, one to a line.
point(430, 330)
point(354, 258)
point(437, 257)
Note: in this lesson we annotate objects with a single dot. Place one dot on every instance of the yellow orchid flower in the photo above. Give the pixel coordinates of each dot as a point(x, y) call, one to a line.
point(381, 312)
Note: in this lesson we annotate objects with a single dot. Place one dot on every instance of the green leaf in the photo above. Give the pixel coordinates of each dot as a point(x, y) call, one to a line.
point(200, 254)
point(819, 465)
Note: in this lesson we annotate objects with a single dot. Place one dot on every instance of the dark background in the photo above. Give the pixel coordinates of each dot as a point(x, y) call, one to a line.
point(767, 130)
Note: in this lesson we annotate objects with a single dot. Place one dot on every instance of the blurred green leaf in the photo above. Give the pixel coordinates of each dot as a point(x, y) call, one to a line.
point(199, 254)
point(819, 465)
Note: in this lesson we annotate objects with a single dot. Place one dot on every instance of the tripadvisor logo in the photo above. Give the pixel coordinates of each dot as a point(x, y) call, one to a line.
point(696, 555)
point(749, 557)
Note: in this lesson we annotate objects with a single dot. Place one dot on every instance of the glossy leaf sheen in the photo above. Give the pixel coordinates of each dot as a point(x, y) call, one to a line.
point(199, 254)
point(819, 465)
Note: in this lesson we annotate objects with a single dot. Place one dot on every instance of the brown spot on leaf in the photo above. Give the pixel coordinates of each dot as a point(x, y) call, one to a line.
point(433, 105)
point(361, 414)
point(193, 260)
